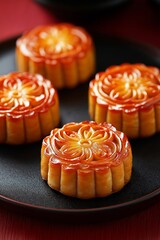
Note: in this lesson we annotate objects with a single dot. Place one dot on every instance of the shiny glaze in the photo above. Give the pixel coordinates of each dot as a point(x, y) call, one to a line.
point(51, 42)
point(86, 145)
point(127, 87)
point(24, 93)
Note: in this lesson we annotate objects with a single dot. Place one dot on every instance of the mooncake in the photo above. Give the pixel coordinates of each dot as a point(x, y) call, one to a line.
point(128, 97)
point(86, 160)
point(29, 108)
point(62, 53)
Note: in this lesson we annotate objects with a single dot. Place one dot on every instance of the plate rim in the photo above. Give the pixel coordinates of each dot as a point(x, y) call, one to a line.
point(146, 197)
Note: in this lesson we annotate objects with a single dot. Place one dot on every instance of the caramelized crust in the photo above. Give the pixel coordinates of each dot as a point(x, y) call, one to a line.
point(86, 160)
point(127, 96)
point(29, 108)
point(63, 53)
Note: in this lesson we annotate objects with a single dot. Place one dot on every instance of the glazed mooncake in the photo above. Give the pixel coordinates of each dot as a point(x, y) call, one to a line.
point(29, 108)
point(62, 53)
point(86, 159)
point(128, 97)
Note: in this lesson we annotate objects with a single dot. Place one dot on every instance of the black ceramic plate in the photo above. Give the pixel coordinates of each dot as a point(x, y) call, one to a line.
point(20, 181)
point(82, 8)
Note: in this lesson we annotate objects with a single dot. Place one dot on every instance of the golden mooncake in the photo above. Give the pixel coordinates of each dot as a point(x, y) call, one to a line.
point(128, 97)
point(86, 160)
point(62, 53)
point(29, 108)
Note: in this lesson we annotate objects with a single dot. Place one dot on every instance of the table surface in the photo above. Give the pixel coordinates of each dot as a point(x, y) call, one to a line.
point(139, 21)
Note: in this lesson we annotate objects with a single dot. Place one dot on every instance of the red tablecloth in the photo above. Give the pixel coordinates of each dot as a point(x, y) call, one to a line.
point(139, 21)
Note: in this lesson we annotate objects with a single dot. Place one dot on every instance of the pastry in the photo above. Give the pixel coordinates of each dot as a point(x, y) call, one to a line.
point(127, 96)
point(86, 159)
point(29, 108)
point(63, 53)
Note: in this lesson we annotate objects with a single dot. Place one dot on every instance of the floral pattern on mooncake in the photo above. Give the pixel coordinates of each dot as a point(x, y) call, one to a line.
point(86, 160)
point(29, 108)
point(63, 53)
point(127, 96)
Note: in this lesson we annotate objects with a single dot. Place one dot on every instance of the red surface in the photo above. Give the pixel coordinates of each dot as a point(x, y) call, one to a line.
point(138, 21)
